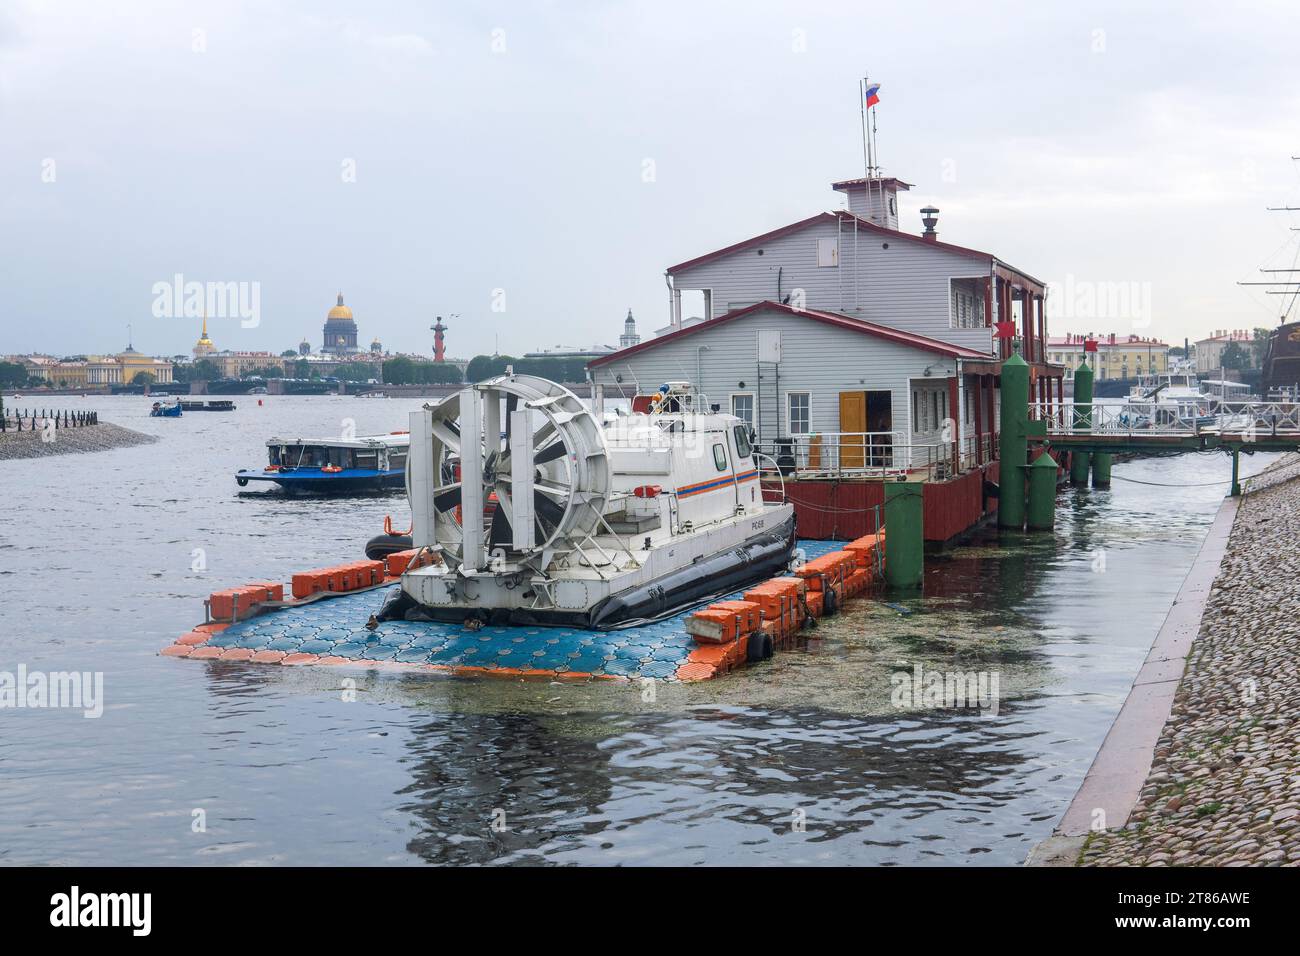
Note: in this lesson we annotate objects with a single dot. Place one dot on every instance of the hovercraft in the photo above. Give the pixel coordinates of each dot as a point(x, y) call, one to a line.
point(560, 518)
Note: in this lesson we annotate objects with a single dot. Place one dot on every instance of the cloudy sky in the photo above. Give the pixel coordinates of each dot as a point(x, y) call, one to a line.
point(420, 156)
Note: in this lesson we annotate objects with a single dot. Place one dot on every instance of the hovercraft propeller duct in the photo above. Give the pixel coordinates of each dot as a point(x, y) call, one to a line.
point(528, 441)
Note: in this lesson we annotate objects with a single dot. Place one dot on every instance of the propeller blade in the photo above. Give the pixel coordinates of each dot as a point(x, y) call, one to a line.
point(550, 453)
point(551, 488)
point(547, 510)
point(500, 534)
point(448, 499)
point(448, 434)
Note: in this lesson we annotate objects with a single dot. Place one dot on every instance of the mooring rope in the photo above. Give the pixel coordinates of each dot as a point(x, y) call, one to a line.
point(1161, 484)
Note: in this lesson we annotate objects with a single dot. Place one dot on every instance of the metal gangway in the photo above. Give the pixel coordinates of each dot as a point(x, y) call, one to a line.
point(1138, 425)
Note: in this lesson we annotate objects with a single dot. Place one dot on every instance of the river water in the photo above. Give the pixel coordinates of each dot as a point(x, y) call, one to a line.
point(820, 756)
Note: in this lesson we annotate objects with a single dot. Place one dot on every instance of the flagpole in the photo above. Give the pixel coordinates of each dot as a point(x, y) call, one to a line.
point(866, 143)
point(875, 166)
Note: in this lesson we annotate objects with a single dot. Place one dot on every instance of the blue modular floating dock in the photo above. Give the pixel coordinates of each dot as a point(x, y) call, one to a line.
point(333, 631)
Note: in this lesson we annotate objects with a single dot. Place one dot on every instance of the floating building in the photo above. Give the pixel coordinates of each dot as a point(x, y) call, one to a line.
point(851, 346)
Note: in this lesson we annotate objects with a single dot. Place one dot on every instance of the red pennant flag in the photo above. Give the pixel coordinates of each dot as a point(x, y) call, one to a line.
point(1004, 330)
point(1090, 345)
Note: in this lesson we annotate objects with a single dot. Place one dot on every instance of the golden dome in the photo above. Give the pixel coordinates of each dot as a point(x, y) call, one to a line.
point(205, 345)
point(340, 311)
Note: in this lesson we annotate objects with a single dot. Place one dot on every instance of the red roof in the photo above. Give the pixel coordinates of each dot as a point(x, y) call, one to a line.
point(837, 319)
point(831, 217)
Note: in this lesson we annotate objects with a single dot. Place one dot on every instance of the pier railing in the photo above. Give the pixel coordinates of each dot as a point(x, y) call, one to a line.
point(848, 455)
point(20, 420)
point(1155, 418)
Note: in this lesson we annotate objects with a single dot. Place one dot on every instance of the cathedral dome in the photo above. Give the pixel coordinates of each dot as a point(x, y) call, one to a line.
point(340, 311)
point(339, 335)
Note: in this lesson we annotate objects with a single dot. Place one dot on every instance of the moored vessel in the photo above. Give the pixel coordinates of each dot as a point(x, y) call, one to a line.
point(333, 465)
point(579, 521)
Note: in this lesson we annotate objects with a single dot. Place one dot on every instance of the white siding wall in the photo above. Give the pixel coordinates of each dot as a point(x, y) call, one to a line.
point(905, 285)
point(816, 358)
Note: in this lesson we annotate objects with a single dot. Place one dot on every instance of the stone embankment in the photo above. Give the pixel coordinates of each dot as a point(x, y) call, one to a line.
point(1224, 785)
point(68, 441)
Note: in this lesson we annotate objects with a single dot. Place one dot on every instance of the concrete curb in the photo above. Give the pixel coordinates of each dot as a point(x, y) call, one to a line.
point(1114, 781)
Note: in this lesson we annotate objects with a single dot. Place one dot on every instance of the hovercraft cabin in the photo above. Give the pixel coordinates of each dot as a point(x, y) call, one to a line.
point(857, 353)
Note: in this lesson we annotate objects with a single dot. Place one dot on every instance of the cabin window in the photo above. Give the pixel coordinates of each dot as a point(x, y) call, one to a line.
point(720, 456)
point(798, 412)
point(743, 449)
point(742, 406)
point(366, 459)
point(396, 461)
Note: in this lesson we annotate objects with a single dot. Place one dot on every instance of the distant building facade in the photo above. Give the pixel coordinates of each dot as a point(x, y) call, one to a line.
point(1209, 351)
point(1128, 356)
point(85, 371)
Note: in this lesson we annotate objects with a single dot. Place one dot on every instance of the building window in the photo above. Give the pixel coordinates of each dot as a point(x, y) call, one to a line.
point(742, 406)
point(798, 412)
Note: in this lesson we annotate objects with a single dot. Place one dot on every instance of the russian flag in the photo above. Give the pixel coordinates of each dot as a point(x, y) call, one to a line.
point(873, 94)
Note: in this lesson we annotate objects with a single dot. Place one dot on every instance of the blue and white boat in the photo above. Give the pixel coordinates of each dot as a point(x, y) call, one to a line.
point(159, 410)
point(333, 465)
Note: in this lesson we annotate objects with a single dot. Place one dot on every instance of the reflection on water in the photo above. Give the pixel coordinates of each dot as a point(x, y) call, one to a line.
point(807, 759)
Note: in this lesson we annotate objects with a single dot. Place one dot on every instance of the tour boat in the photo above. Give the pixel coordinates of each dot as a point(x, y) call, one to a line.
point(333, 465)
point(159, 410)
point(1170, 398)
point(560, 517)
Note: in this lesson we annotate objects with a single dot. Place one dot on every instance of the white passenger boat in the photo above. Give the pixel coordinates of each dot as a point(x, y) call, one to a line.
point(560, 518)
point(1170, 398)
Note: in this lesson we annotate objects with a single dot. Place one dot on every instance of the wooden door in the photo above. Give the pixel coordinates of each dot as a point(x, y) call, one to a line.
point(853, 418)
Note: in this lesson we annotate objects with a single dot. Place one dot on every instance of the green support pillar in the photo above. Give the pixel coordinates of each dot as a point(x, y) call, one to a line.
point(1236, 477)
point(1041, 513)
point(1101, 469)
point(1013, 444)
point(904, 534)
point(1080, 463)
point(1079, 460)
